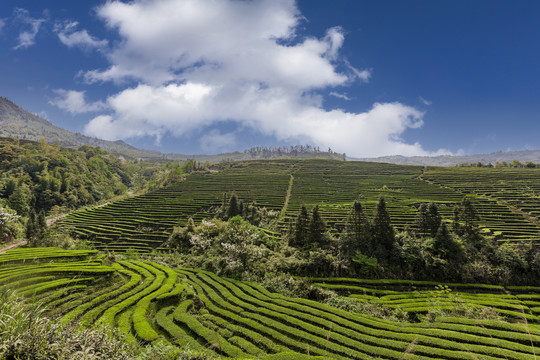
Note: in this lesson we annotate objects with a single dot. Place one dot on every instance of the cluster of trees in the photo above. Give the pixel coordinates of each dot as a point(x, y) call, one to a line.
point(262, 152)
point(233, 247)
point(430, 248)
point(39, 176)
point(502, 164)
point(253, 213)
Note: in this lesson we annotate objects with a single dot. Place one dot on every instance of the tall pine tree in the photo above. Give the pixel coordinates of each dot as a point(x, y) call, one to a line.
point(300, 238)
point(383, 233)
point(233, 209)
point(357, 236)
point(317, 229)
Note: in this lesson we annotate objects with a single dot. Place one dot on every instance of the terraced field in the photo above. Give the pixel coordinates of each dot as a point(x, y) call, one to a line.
point(228, 318)
point(511, 188)
point(145, 222)
point(517, 303)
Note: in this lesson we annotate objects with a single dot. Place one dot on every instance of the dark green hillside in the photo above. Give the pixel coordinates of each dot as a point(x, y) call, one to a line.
point(37, 176)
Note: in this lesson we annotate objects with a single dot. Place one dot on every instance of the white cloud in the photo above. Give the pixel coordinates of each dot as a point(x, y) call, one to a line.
point(27, 38)
point(215, 141)
point(363, 75)
point(201, 62)
point(340, 96)
point(425, 102)
point(2, 24)
point(71, 38)
point(74, 102)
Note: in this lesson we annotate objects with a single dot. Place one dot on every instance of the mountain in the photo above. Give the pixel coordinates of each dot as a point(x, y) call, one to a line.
point(452, 160)
point(19, 123)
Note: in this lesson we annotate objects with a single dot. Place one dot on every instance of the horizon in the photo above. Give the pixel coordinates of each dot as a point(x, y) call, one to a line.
point(367, 79)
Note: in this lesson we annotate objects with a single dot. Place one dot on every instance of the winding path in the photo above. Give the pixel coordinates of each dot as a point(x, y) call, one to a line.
point(13, 246)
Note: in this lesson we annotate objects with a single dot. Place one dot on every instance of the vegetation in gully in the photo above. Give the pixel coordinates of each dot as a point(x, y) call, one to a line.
point(269, 259)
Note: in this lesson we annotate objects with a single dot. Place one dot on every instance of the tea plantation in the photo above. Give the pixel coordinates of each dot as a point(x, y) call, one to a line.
point(228, 318)
point(507, 200)
point(515, 303)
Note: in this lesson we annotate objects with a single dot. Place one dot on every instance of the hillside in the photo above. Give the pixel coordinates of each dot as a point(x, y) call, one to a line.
point(38, 176)
point(19, 123)
point(333, 186)
point(212, 317)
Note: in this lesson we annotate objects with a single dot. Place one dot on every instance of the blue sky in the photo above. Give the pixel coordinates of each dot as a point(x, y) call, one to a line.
point(367, 78)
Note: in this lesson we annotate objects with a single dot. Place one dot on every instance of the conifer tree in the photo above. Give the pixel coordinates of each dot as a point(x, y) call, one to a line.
point(190, 227)
point(301, 230)
point(42, 222)
point(232, 211)
point(434, 219)
point(224, 203)
point(443, 240)
point(383, 232)
point(317, 228)
point(357, 236)
point(241, 208)
point(468, 213)
point(31, 225)
point(422, 219)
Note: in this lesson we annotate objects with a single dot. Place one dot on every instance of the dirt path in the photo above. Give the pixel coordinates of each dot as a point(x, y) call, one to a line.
point(289, 189)
point(54, 219)
point(13, 246)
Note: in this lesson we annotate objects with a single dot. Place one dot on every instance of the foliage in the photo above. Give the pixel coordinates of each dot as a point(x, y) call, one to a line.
point(232, 247)
point(383, 233)
point(9, 224)
point(48, 175)
point(27, 333)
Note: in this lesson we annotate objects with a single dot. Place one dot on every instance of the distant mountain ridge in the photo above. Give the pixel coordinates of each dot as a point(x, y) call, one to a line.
point(19, 123)
point(452, 160)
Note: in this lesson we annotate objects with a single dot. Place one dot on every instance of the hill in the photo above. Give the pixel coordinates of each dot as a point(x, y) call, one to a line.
point(211, 317)
point(19, 123)
point(35, 175)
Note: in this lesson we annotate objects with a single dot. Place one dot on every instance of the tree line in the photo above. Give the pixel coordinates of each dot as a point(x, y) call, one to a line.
point(430, 248)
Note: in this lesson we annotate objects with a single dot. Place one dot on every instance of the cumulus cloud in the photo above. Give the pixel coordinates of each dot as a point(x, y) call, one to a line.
point(197, 63)
point(69, 36)
point(74, 102)
point(27, 38)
